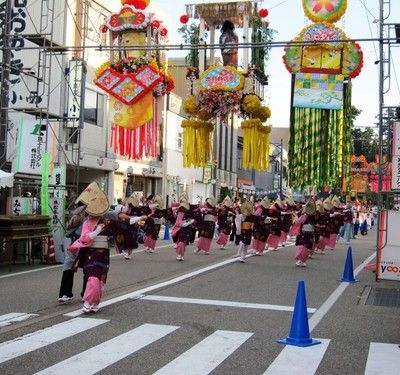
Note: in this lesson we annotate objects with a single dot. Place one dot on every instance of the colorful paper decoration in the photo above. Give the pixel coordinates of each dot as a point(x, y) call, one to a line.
point(128, 18)
point(128, 87)
point(225, 78)
point(332, 56)
point(324, 10)
point(314, 90)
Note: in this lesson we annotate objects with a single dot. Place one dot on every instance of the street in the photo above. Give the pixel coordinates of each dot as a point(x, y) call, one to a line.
point(207, 314)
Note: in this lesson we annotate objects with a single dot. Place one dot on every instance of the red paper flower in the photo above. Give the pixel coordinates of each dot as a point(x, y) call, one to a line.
point(103, 28)
point(138, 4)
point(263, 12)
point(163, 32)
point(184, 18)
point(155, 24)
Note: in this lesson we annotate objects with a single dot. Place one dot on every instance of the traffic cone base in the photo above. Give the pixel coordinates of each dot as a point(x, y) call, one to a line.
point(299, 332)
point(299, 342)
point(348, 274)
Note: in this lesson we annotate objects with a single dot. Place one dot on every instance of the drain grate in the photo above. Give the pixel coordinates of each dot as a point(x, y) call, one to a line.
point(383, 297)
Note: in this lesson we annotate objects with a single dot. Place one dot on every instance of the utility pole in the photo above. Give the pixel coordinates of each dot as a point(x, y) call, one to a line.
point(5, 82)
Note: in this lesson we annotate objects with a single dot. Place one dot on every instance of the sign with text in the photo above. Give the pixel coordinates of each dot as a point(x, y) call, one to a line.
point(33, 140)
point(396, 156)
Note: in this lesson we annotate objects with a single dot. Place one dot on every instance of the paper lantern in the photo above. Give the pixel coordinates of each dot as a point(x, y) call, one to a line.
point(184, 18)
point(263, 12)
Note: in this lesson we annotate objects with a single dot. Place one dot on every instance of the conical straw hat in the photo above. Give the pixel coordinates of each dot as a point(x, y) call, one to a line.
point(95, 199)
point(227, 202)
point(246, 208)
point(134, 200)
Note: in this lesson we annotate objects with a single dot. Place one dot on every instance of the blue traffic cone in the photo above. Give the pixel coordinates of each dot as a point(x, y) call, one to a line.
point(166, 233)
point(348, 275)
point(299, 332)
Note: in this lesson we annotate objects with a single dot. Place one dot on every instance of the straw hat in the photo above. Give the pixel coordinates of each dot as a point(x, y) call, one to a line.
point(133, 200)
point(327, 204)
point(211, 201)
point(95, 199)
point(265, 202)
point(290, 201)
point(310, 207)
point(184, 203)
point(227, 202)
point(158, 200)
point(246, 208)
point(336, 202)
point(320, 206)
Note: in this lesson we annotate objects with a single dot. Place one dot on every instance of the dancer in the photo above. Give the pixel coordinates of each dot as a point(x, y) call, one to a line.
point(181, 230)
point(244, 229)
point(274, 237)
point(261, 227)
point(94, 253)
point(74, 229)
point(207, 226)
point(224, 221)
point(152, 226)
point(306, 238)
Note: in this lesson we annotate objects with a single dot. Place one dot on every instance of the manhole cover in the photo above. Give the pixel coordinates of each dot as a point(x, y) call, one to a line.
point(383, 297)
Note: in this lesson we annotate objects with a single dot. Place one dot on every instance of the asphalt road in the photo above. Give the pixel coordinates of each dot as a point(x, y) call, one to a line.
point(207, 314)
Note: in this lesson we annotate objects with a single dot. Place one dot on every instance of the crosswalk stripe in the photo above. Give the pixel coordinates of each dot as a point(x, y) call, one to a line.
point(39, 339)
point(99, 357)
point(213, 302)
point(206, 355)
point(382, 359)
point(298, 360)
point(7, 319)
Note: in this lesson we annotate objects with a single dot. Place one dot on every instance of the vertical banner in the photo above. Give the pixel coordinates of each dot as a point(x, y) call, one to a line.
point(44, 191)
point(396, 156)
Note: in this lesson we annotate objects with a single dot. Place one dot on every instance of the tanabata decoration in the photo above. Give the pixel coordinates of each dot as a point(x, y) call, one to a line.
point(324, 10)
point(322, 62)
point(134, 79)
point(220, 92)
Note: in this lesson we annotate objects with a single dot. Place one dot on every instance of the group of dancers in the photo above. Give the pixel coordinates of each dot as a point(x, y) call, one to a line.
point(253, 227)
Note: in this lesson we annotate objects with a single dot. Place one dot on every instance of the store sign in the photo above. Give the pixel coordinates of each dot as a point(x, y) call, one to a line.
point(34, 138)
point(396, 156)
point(75, 88)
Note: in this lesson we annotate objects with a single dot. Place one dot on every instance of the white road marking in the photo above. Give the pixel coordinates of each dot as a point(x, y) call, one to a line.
point(39, 339)
point(298, 360)
point(383, 359)
point(204, 357)
point(327, 305)
point(101, 356)
point(213, 302)
point(7, 319)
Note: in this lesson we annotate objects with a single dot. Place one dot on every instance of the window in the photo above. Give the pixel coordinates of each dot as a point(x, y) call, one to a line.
point(93, 104)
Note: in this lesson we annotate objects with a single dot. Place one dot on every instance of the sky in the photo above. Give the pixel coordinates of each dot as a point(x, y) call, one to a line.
point(287, 17)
